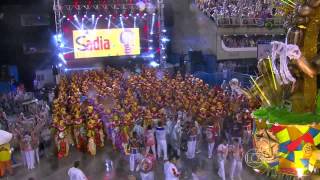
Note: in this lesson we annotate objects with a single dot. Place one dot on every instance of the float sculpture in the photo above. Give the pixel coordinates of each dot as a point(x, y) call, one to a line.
point(287, 125)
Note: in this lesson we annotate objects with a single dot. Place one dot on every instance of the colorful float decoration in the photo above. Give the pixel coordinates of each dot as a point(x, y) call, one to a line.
point(287, 125)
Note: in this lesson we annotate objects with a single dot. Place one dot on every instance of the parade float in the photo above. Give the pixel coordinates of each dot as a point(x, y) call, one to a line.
point(287, 125)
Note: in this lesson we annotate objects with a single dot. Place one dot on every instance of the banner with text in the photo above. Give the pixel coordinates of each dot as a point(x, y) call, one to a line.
point(106, 42)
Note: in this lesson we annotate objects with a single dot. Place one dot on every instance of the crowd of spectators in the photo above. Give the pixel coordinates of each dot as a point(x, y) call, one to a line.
point(241, 8)
point(239, 41)
point(10, 102)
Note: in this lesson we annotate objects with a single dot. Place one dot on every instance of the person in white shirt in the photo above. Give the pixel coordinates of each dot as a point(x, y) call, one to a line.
point(161, 141)
point(222, 155)
point(170, 170)
point(75, 173)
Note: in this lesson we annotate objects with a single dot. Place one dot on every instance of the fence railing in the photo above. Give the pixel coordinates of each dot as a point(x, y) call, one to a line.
point(257, 22)
point(216, 79)
point(221, 20)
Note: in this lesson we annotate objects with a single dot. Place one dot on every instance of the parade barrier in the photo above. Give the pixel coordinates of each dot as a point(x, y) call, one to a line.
point(245, 21)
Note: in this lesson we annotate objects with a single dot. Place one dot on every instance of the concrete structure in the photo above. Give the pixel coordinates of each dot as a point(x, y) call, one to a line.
point(193, 30)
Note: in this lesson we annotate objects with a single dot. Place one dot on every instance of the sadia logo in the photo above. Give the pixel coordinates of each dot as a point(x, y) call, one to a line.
point(84, 43)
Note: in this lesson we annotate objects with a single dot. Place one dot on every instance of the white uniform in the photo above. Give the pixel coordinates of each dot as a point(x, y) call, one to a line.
point(192, 142)
point(161, 142)
point(222, 151)
point(147, 176)
point(236, 166)
point(176, 137)
point(198, 144)
point(170, 171)
point(29, 153)
point(76, 174)
point(133, 158)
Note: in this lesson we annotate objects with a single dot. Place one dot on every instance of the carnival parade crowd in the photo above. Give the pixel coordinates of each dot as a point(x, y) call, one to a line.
point(30, 135)
point(150, 116)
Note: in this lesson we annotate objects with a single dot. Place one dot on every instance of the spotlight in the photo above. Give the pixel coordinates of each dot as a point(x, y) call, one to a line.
point(130, 14)
point(153, 14)
point(151, 33)
point(145, 14)
point(92, 15)
point(151, 56)
point(137, 14)
point(163, 48)
point(150, 48)
point(164, 39)
point(68, 19)
point(60, 55)
point(85, 16)
point(120, 15)
point(61, 45)
point(75, 16)
point(163, 57)
point(154, 64)
point(110, 15)
point(63, 16)
point(60, 65)
point(100, 15)
point(150, 40)
point(164, 30)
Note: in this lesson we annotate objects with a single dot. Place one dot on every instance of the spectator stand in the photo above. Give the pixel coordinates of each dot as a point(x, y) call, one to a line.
point(216, 79)
point(230, 13)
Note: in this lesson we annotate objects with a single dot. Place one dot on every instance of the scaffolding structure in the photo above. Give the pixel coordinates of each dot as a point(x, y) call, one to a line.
point(61, 9)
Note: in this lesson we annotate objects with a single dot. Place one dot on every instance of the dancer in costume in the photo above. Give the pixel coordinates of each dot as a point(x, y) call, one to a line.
point(211, 135)
point(133, 148)
point(237, 155)
point(146, 167)
point(150, 142)
point(161, 141)
point(222, 156)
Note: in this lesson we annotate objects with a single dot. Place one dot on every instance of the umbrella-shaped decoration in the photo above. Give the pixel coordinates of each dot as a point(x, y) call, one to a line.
point(5, 137)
